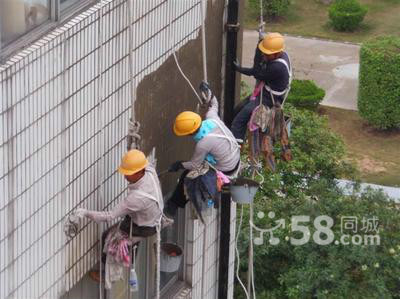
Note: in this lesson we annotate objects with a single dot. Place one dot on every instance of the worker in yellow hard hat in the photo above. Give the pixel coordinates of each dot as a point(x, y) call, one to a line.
point(142, 207)
point(215, 144)
point(273, 71)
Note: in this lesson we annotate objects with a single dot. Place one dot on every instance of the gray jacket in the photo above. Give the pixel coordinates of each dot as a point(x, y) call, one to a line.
point(220, 142)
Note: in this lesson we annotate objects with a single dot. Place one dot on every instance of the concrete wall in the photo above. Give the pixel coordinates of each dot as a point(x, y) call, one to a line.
point(57, 95)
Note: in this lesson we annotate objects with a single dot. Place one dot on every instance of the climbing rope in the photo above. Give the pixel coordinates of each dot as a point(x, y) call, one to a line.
point(262, 23)
point(102, 140)
point(204, 57)
point(238, 254)
point(204, 54)
point(203, 38)
point(133, 137)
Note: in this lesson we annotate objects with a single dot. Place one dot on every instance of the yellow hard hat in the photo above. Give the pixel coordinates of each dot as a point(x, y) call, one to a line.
point(186, 123)
point(272, 43)
point(132, 162)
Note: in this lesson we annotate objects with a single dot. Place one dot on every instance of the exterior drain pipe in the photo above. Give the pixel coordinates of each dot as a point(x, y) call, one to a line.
point(232, 28)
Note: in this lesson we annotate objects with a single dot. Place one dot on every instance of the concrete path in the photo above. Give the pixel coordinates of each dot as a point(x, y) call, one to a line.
point(332, 65)
point(392, 192)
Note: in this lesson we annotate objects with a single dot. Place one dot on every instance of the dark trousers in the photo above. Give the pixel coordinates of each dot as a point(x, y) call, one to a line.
point(137, 231)
point(243, 113)
point(178, 198)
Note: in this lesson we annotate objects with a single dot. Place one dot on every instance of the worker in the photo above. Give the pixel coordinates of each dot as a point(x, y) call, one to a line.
point(272, 68)
point(142, 207)
point(215, 145)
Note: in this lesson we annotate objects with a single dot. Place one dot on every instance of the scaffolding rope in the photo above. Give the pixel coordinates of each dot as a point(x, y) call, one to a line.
point(102, 140)
point(238, 254)
point(204, 51)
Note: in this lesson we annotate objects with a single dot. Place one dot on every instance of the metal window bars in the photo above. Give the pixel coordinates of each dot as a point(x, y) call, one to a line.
point(50, 149)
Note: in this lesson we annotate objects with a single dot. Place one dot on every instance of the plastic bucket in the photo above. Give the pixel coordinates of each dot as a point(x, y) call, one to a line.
point(243, 190)
point(170, 258)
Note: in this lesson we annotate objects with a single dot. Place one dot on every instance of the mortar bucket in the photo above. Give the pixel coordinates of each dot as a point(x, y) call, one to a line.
point(170, 257)
point(243, 190)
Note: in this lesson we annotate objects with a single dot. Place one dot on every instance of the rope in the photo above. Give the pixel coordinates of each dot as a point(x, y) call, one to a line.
point(204, 59)
point(102, 141)
point(238, 255)
point(158, 275)
point(262, 23)
point(204, 256)
point(172, 40)
point(250, 281)
point(133, 137)
point(184, 76)
point(203, 37)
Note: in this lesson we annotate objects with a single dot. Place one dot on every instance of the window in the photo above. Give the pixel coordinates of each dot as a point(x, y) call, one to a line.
point(64, 4)
point(18, 17)
point(146, 263)
point(31, 18)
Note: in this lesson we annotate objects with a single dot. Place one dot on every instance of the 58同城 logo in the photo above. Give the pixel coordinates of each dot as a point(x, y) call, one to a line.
point(353, 230)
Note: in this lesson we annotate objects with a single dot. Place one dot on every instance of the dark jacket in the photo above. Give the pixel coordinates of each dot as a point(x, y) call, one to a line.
point(273, 73)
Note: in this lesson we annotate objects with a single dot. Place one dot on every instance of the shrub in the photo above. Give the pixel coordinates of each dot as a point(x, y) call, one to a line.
point(272, 8)
point(285, 271)
point(379, 84)
point(305, 94)
point(245, 90)
point(346, 15)
point(308, 187)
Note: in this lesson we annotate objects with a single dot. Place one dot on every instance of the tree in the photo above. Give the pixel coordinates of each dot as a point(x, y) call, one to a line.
point(309, 188)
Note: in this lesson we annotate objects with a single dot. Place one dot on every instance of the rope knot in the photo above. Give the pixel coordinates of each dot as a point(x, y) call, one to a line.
point(133, 138)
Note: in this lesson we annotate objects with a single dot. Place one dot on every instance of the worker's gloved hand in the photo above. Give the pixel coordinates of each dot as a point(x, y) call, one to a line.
point(81, 213)
point(236, 64)
point(261, 33)
point(206, 92)
point(175, 166)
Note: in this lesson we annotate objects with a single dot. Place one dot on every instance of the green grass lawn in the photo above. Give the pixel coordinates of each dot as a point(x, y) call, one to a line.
point(376, 153)
point(310, 18)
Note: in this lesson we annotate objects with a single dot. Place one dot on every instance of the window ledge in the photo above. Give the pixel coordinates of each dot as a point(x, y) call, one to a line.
point(179, 290)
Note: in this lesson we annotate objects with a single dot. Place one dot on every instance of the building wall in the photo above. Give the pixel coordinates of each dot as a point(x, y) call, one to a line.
point(64, 110)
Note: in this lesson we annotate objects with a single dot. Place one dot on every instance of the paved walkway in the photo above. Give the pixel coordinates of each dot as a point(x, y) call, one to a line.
point(332, 65)
point(392, 192)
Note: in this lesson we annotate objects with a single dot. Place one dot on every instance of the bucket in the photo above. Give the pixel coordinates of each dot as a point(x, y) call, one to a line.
point(243, 190)
point(170, 257)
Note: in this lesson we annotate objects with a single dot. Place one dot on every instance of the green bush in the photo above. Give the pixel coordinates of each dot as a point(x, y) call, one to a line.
point(346, 15)
point(285, 271)
point(307, 187)
point(379, 83)
point(271, 8)
point(305, 94)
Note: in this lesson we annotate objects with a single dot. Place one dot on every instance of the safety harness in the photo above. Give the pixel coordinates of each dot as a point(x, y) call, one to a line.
point(158, 227)
point(284, 92)
point(234, 146)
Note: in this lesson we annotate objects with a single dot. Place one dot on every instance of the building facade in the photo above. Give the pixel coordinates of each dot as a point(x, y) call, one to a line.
point(72, 75)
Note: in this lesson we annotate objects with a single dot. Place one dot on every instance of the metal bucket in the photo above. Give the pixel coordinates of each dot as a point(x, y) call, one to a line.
point(170, 258)
point(243, 190)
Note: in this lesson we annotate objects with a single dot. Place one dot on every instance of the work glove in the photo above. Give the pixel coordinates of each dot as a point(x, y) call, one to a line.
point(261, 33)
point(240, 69)
point(175, 166)
point(206, 92)
point(81, 213)
point(236, 65)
